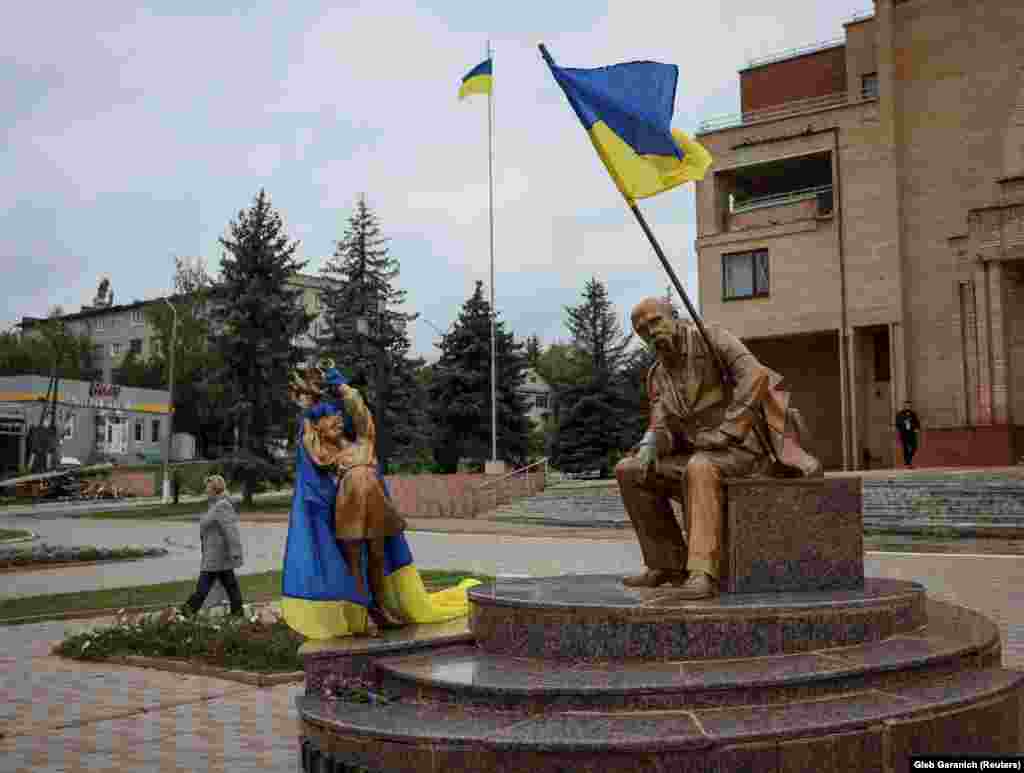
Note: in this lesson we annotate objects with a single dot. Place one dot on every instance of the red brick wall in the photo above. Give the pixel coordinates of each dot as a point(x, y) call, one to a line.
point(814, 75)
point(962, 447)
point(141, 484)
point(459, 495)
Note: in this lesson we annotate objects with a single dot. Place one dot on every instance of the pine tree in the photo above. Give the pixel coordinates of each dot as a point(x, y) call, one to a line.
point(375, 358)
point(460, 390)
point(594, 411)
point(256, 320)
point(597, 333)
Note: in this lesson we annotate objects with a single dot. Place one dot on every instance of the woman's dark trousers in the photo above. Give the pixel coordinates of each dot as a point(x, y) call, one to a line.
point(205, 585)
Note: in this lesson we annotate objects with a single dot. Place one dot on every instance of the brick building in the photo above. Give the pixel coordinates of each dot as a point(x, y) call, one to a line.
point(862, 229)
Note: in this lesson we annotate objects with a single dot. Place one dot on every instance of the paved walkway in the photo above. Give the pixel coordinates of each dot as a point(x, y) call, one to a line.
point(59, 715)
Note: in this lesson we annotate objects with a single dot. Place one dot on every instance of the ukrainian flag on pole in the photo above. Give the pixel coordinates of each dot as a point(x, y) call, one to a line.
point(627, 111)
point(479, 80)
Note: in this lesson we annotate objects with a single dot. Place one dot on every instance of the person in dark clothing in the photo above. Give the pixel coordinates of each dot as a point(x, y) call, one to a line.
point(908, 425)
point(222, 549)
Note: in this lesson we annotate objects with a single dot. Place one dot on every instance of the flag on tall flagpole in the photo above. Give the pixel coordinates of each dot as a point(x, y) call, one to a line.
point(627, 111)
point(479, 80)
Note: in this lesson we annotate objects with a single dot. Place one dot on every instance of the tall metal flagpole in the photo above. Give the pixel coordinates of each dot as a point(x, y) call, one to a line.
point(490, 194)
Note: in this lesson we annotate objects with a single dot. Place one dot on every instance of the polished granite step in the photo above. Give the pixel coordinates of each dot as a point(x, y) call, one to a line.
point(596, 617)
point(953, 638)
point(868, 729)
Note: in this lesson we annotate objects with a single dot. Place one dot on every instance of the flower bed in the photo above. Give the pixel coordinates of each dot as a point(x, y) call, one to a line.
point(259, 642)
point(14, 556)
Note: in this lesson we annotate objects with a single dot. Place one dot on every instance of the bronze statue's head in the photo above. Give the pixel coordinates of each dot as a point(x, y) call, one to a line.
point(654, 322)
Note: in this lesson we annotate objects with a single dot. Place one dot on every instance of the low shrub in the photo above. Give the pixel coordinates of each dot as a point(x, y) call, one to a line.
point(249, 643)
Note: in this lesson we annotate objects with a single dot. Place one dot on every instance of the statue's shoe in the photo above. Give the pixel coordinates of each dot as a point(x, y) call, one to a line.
point(652, 578)
point(698, 586)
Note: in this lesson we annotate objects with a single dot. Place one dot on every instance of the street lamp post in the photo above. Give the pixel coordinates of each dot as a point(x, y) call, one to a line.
point(170, 413)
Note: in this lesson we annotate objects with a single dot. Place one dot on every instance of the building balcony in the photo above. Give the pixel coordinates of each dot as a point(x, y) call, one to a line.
point(782, 208)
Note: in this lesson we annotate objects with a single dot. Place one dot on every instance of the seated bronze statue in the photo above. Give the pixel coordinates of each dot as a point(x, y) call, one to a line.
point(703, 428)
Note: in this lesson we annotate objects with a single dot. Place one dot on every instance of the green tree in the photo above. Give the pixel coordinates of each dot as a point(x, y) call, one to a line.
point(593, 409)
point(533, 351)
point(47, 345)
point(460, 390)
point(199, 406)
point(375, 353)
point(256, 319)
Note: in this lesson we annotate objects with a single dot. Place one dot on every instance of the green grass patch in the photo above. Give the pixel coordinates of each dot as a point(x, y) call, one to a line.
point(263, 586)
point(6, 534)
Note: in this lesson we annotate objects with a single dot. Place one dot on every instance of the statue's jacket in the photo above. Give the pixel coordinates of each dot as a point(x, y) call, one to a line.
point(751, 413)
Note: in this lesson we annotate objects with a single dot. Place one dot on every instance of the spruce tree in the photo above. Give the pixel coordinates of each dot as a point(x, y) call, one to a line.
point(362, 273)
point(460, 390)
point(256, 319)
point(594, 410)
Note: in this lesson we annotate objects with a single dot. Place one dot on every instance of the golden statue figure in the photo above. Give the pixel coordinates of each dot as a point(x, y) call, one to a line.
point(364, 514)
point(702, 429)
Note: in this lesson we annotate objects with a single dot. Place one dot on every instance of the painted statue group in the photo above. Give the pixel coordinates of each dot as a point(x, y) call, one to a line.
point(715, 412)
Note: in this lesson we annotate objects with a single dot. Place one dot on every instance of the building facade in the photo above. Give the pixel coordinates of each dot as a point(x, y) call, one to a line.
point(116, 330)
point(862, 229)
point(94, 420)
point(537, 396)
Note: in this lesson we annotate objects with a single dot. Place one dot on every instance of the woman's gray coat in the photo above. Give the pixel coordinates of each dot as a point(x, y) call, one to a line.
point(222, 542)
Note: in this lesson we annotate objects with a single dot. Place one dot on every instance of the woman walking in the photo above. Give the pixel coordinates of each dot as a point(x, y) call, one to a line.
point(222, 549)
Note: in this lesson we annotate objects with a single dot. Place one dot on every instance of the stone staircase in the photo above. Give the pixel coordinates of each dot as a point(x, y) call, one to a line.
point(954, 503)
point(977, 503)
point(592, 504)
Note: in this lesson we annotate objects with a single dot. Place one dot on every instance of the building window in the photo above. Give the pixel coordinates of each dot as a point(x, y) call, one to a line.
point(745, 275)
point(138, 431)
point(541, 401)
point(135, 346)
point(869, 85)
point(154, 433)
point(136, 316)
point(97, 351)
point(99, 323)
point(115, 349)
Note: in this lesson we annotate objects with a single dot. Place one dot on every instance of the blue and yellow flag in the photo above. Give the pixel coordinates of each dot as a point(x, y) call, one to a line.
point(479, 80)
point(627, 111)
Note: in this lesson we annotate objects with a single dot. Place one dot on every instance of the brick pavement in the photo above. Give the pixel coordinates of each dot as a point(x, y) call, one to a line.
point(59, 715)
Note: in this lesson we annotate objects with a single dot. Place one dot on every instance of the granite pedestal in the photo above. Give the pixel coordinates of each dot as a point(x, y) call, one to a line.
point(580, 673)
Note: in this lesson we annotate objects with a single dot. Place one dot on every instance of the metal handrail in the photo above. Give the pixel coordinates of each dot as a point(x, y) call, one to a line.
point(789, 53)
point(776, 111)
point(543, 461)
point(776, 199)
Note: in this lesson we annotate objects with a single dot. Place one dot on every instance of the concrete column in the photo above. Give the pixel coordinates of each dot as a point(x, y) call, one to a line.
point(844, 399)
point(983, 399)
point(851, 338)
point(998, 344)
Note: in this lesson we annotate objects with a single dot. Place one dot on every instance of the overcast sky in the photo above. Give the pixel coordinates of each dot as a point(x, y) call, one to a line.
point(135, 132)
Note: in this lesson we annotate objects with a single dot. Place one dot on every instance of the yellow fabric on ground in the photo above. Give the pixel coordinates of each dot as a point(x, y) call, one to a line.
point(323, 619)
point(404, 596)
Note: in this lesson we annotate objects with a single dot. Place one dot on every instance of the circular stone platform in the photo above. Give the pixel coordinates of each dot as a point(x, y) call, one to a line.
point(580, 673)
point(596, 617)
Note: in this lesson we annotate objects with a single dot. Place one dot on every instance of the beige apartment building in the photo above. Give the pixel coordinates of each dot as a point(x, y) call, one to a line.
point(862, 229)
point(116, 330)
